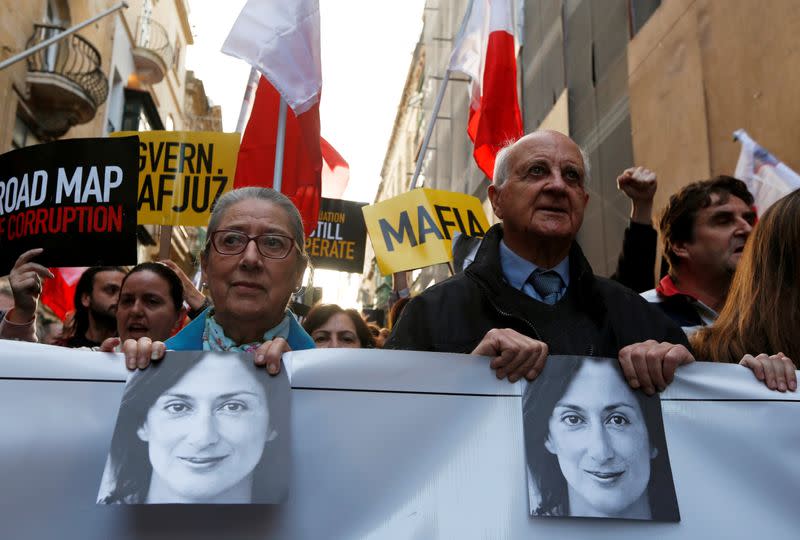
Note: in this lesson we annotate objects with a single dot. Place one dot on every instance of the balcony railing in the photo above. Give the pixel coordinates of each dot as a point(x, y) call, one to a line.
point(152, 40)
point(72, 58)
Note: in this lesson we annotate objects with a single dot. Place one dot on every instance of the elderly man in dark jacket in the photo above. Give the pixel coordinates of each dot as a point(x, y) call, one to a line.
point(531, 292)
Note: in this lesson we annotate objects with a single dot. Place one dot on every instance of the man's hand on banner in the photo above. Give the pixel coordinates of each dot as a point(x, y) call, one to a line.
point(138, 353)
point(651, 365)
point(514, 355)
point(269, 354)
point(776, 371)
point(26, 286)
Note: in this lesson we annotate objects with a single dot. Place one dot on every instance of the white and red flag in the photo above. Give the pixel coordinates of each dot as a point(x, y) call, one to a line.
point(302, 155)
point(487, 52)
point(281, 39)
point(767, 178)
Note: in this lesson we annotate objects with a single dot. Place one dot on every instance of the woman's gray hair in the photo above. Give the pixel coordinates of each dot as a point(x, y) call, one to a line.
point(277, 198)
point(501, 163)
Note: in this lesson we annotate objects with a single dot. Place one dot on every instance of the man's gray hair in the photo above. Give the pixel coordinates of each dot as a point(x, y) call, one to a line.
point(501, 162)
point(277, 198)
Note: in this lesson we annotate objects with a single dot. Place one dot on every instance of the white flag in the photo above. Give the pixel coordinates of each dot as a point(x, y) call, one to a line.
point(281, 39)
point(767, 178)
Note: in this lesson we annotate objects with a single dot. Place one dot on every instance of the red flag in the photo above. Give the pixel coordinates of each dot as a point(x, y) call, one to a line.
point(302, 157)
point(58, 293)
point(487, 52)
point(335, 171)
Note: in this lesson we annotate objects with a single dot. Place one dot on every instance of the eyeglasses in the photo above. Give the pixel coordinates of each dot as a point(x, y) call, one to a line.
point(271, 246)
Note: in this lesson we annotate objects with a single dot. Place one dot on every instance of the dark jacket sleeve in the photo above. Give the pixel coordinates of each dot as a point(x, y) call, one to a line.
point(637, 260)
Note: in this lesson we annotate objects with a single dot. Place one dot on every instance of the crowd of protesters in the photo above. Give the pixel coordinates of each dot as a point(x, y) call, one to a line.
point(523, 292)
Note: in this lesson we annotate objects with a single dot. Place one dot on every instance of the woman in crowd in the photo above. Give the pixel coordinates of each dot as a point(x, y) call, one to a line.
point(253, 261)
point(331, 326)
point(760, 316)
point(150, 305)
point(595, 447)
point(199, 430)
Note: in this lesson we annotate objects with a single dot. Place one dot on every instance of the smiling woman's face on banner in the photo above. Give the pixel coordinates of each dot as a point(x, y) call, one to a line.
point(598, 433)
point(206, 433)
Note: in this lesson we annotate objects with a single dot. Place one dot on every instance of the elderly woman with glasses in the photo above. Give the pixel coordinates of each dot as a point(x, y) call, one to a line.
point(252, 263)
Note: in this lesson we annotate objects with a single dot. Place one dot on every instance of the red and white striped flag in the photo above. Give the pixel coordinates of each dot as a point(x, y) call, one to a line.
point(767, 178)
point(487, 53)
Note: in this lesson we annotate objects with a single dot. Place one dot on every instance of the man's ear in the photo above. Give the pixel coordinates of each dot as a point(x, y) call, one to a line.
point(86, 299)
point(143, 432)
point(653, 452)
point(679, 249)
point(494, 195)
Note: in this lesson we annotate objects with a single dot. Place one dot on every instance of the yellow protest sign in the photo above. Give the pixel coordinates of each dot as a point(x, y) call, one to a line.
point(182, 173)
point(415, 229)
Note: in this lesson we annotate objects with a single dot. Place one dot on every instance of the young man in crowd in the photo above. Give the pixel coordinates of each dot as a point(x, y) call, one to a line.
point(96, 297)
point(704, 229)
point(530, 290)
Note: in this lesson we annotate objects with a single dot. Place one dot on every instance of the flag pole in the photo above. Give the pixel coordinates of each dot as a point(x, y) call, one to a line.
point(437, 105)
point(277, 176)
point(429, 131)
point(247, 100)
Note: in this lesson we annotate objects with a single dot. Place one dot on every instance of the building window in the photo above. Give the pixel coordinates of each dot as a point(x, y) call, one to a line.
point(140, 113)
point(176, 58)
point(116, 103)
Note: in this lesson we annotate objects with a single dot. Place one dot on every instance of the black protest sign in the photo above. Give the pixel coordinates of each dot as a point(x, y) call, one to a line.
point(339, 241)
point(75, 198)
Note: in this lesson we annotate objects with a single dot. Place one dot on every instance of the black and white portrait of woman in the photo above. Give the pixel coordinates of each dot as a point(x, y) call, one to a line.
point(200, 428)
point(594, 446)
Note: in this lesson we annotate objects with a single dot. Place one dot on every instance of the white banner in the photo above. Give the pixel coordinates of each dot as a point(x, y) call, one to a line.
point(390, 444)
point(768, 179)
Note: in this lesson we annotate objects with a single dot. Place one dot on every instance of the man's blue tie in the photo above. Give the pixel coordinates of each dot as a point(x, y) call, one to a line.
point(547, 283)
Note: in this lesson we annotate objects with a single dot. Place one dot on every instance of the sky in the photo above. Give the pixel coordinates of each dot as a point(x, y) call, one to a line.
point(367, 47)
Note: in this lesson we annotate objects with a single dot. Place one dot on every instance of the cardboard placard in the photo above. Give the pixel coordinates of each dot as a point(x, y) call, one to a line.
point(75, 198)
point(182, 174)
point(339, 241)
point(415, 229)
